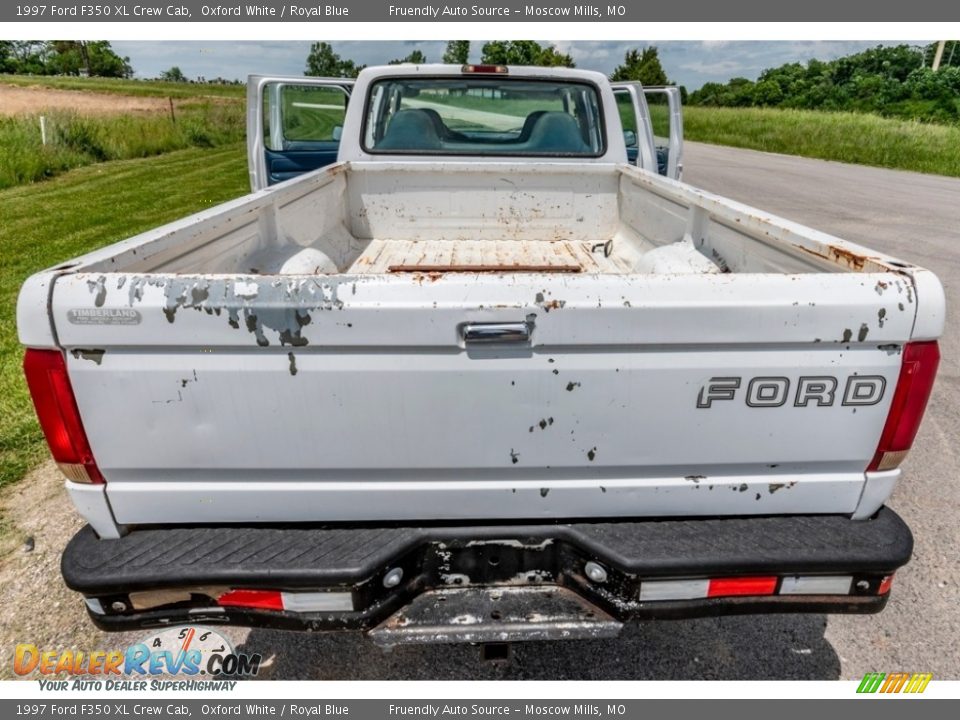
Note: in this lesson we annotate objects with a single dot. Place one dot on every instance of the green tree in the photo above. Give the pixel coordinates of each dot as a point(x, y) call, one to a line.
point(895, 81)
point(523, 52)
point(322, 61)
point(767, 92)
point(95, 58)
point(27, 57)
point(416, 58)
point(174, 74)
point(643, 66)
point(457, 52)
point(6, 56)
point(551, 57)
point(102, 61)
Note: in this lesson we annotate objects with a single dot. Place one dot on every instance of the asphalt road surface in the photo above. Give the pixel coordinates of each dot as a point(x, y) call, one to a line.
point(915, 217)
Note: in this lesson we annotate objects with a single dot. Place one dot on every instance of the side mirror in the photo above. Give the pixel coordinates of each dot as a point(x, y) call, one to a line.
point(629, 138)
point(337, 132)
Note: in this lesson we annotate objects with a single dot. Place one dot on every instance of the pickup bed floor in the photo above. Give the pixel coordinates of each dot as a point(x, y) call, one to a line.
point(393, 256)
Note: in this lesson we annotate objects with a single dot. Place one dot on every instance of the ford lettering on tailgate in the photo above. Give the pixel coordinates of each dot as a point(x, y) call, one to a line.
point(809, 390)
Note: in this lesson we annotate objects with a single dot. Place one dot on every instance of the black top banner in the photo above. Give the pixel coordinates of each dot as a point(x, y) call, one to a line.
point(486, 11)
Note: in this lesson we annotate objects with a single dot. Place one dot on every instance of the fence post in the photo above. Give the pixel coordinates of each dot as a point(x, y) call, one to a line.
point(43, 130)
point(173, 117)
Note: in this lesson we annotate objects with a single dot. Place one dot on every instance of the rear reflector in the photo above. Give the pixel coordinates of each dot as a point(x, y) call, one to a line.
point(262, 599)
point(920, 361)
point(673, 589)
point(291, 601)
point(56, 406)
point(816, 585)
point(885, 585)
point(728, 587)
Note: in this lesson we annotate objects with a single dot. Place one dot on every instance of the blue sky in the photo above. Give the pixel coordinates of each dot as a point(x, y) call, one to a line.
point(686, 63)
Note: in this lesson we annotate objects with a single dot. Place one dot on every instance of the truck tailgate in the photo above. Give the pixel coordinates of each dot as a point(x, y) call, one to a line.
point(256, 398)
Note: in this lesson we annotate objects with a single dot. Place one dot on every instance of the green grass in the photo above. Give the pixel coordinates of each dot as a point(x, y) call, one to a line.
point(51, 222)
point(845, 137)
point(75, 140)
point(119, 86)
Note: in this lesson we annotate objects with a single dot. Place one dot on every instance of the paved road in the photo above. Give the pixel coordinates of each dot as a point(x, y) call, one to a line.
point(916, 217)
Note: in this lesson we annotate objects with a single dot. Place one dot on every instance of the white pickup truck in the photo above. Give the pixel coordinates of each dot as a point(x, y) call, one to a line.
point(482, 379)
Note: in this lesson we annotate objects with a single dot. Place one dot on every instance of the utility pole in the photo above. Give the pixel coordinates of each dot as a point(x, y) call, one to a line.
point(939, 55)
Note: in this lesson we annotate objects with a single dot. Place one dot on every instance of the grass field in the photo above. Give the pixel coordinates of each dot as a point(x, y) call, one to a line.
point(119, 86)
point(844, 137)
point(75, 140)
point(50, 222)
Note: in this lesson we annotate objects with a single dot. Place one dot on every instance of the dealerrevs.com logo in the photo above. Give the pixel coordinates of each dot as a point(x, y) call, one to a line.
point(180, 652)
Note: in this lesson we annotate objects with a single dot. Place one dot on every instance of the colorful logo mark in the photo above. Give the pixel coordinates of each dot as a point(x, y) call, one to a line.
point(894, 682)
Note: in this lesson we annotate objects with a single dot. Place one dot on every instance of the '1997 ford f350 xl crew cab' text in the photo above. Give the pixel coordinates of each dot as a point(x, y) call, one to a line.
point(471, 364)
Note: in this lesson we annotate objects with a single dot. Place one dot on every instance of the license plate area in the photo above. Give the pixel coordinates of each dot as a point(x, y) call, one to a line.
point(496, 614)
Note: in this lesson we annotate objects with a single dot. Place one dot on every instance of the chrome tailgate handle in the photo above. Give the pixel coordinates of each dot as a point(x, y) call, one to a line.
point(489, 333)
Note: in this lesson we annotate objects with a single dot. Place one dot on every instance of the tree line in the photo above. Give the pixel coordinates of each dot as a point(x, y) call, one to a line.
point(63, 57)
point(895, 81)
point(639, 64)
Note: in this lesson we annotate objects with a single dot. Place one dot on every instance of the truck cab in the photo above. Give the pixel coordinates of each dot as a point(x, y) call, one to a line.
point(295, 124)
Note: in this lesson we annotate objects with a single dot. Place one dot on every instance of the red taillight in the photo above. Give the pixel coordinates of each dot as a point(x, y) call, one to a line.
point(920, 360)
point(263, 599)
point(59, 416)
point(727, 587)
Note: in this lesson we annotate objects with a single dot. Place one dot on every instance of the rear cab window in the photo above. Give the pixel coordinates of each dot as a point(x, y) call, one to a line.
point(488, 116)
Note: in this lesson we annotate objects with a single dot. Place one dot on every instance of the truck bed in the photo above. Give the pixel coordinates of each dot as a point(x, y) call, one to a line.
point(383, 218)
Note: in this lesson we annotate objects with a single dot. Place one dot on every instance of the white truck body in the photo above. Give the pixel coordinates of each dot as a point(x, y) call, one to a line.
point(320, 350)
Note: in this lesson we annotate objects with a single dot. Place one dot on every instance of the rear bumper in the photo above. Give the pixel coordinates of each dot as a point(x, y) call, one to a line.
point(160, 576)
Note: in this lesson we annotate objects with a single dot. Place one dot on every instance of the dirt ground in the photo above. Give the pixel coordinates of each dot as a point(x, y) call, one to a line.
point(38, 521)
point(16, 100)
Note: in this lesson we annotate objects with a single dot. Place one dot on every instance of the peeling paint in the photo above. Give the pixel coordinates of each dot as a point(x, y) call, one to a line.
point(99, 289)
point(862, 335)
point(95, 356)
point(283, 306)
point(293, 363)
point(774, 487)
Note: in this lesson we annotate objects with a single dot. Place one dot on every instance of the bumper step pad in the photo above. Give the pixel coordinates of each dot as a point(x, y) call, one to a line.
point(490, 583)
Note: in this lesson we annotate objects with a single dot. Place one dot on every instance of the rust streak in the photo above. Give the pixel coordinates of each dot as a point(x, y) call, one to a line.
point(483, 268)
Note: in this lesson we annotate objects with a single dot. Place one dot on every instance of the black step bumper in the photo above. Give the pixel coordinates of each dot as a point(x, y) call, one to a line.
point(167, 575)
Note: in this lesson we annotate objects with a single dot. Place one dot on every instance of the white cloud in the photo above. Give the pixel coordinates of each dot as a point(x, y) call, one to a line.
point(722, 67)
